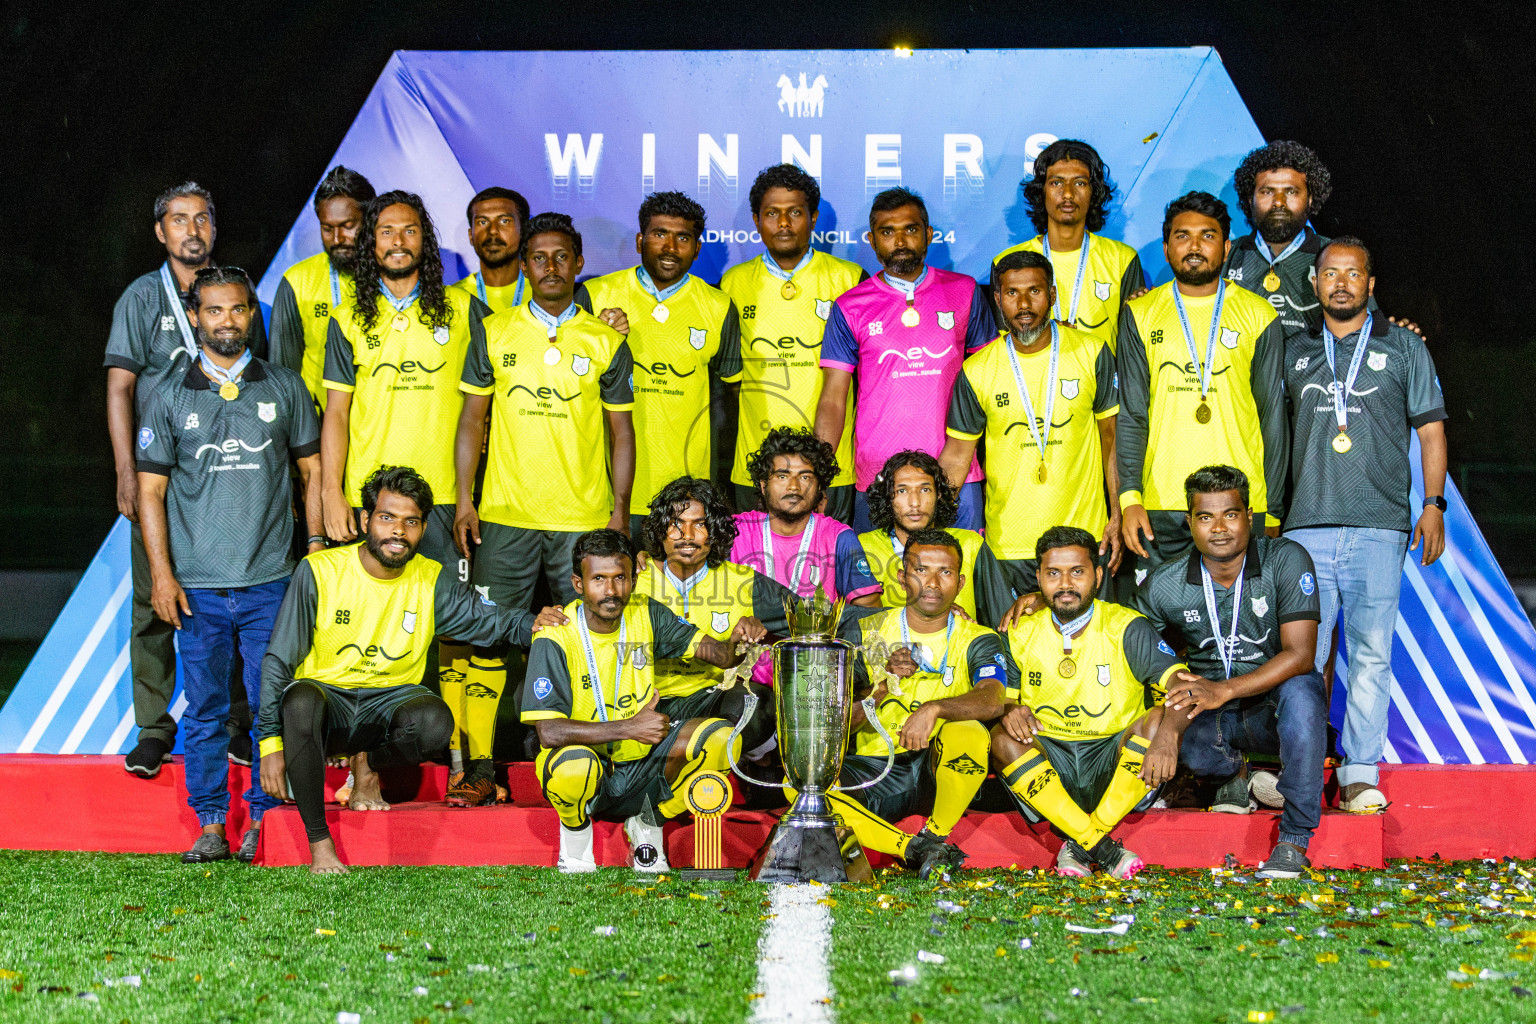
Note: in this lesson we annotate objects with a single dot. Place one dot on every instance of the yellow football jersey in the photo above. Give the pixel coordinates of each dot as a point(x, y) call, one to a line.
point(675, 356)
point(1121, 667)
point(781, 351)
point(548, 459)
point(301, 317)
point(1113, 272)
point(885, 562)
point(405, 391)
point(498, 299)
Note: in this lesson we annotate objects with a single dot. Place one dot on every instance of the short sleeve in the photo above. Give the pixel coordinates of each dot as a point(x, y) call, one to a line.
point(1106, 395)
point(478, 377)
point(854, 578)
point(839, 348)
point(128, 343)
point(1133, 280)
point(675, 636)
point(1296, 597)
point(989, 661)
point(1150, 658)
point(1146, 600)
point(966, 418)
point(156, 447)
point(618, 380)
point(340, 361)
point(303, 424)
point(1425, 402)
point(726, 365)
point(980, 328)
point(583, 298)
point(547, 686)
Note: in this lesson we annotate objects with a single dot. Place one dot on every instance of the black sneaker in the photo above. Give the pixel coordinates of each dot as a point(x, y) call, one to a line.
point(1232, 797)
point(248, 844)
point(240, 749)
point(1286, 861)
point(1118, 862)
point(926, 853)
point(210, 846)
point(145, 759)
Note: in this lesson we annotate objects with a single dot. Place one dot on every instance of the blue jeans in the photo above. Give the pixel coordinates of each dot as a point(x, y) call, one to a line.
point(972, 509)
point(1291, 720)
point(221, 622)
point(1361, 571)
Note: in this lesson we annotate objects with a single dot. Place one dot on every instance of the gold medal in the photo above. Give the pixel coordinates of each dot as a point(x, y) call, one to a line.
point(910, 317)
point(1067, 669)
point(1342, 443)
point(660, 313)
point(1271, 281)
point(400, 322)
point(551, 356)
point(229, 391)
point(1203, 413)
point(788, 290)
point(1040, 472)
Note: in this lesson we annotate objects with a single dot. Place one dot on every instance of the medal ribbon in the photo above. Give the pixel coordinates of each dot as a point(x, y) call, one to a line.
point(782, 274)
point(618, 661)
point(517, 296)
point(661, 294)
point(1210, 342)
point(1227, 650)
point(1042, 435)
point(1264, 250)
point(800, 558)
point(399, 305)
point(918, 649)
point(1341, 394)
point(1082, 271)
point(1068, 628)
point(174, 294)
point(908, 289)
point(684, 587)
point(552, 323)
point(335, 285)
point(221, 376)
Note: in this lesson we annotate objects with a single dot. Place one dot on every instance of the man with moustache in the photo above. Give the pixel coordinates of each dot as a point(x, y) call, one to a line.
point(1201, 381)
point(785, 296)
point(902, 335)
point(555, 383)
point(214, 454)
point(496, 219)
point(150, 333)
point(685, 338)
point(312, 289)
point(1358, 385)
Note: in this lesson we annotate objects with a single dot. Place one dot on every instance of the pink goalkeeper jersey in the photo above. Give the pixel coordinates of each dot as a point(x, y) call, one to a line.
point(904, 373)
point(834, 557)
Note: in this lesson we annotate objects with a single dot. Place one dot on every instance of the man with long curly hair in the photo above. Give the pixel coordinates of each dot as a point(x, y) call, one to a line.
point(1068, 200)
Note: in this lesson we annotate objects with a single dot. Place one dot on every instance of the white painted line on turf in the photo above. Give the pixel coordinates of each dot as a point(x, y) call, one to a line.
point(793, 971)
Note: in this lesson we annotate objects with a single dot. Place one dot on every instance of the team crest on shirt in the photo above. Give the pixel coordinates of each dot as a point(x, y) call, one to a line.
point(823, 308)
point(146, 437)
point(1069, 389)
point(1308, 583)
point(1377, 361)
point(580, 364)
point(639, 658)
point(697, 336)
point(947, 320)
point(721, 621)
point(542, 687)
point(440, 335)
point(1141, 576)
point(1228, 338)
point(1303, 363)
point(266, 411)
point(1101, 290)
point(408, 622)
point(1260, 606)
point(1103, 675)
point(167, 323)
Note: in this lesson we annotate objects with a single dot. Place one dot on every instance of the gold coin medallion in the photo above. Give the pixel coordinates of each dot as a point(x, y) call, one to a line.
point(660, 313)
point(910, 317)
point(551, 356)
point(400, 322)
point(229, 391)
point(788, 290)
point(1040, 473)
point(1342, 443)
point(1203, 413)
point(1067, 669)
point(1271, 282)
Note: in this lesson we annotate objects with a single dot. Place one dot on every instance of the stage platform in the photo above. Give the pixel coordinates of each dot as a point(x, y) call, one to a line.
point(60, 802)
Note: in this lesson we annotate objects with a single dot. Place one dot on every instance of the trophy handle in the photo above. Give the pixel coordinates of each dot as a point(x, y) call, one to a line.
point(748, 707)
point(868, 704)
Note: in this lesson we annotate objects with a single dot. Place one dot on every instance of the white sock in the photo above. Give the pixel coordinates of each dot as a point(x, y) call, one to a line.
point(576, 843)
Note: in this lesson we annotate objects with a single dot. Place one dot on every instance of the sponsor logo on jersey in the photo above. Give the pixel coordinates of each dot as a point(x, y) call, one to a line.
point(372, 650)
point(1308, 583)
point(231, 446)
point(783, 343)
point(542, 687)
point(146, 437)
point(1260, 606)
point(1069, 389)
point(799, 99)
point(545, 394)
point(1073, 711)
point(661, 369)
point(1376, 361)
point(698, 337)
point(1189, 371)
point(912, 355)
point(266, 411)
point(947, 320)
point(407, 366)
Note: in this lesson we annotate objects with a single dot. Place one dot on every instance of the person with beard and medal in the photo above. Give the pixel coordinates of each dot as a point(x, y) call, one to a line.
point(216, 507)
point(1246, 608)
point(343, 669)
point(685, 338)
point(1201, 380)
point(1358, 387)
point(314, 288)
point(1068, 200)
point(1045, 400)
point(901, 335)
point(497, 217)
point(151, 331)
point(785, 298)
point(554, 381)
point(1084, 739)
point(608, 753)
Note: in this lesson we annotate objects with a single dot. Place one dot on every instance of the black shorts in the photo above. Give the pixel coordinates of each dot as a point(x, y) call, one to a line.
point(727, 704)
point(510, 559)
point(908, 789)
point(1085, 768)
point(357, 718)
point(627, 785)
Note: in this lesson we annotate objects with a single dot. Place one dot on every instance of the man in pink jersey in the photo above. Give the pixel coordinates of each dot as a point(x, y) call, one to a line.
point(787, 539)
point(903, 334)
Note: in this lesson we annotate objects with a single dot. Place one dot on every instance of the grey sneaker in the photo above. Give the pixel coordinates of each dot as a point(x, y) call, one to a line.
point(1072, 861)
point(1118, 862)
point(209, 847)
point(1265, 787)
point(1232, 797)
point(1286, 861)
point(248, 844)
point(1361, 798)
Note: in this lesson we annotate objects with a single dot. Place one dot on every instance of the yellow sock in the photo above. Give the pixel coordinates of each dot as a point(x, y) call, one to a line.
point(872, 831)
point(1034, 781)
point(705, 752)
point(960, 752)
point(453, 666)
point(569, 777)
point(483, 683)
point(1125, 789)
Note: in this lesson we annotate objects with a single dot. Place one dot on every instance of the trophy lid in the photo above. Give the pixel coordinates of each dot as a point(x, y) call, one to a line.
point(814, 616)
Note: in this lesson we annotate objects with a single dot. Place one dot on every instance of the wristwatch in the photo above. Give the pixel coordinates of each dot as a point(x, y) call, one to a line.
point(1435, 500)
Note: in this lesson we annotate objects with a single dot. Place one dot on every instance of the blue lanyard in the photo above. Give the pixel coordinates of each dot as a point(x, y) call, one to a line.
point(1210, 342)
point(684, 587)
point(552, 323)
point(1077, 287)
point(517, 296)
point(1042, 435)
point(1226, 650)
point(618, 662)
point(922, 662)
point(1341, 393)
point(335, 285)
point(1264, 250)
point(908, 289)
point(220, 375)
point(782, 274)
point(180, 315)
point(661, 294)
point(399, 305)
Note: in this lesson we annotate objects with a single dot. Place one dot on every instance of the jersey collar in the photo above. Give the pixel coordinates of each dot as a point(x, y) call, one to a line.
point(1311, 243)
point(1251, 566)
point(198, 381)
point(1380, 327)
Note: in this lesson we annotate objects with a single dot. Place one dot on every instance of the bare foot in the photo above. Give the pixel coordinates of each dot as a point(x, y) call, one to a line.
point(366, 792)
point(323, 859)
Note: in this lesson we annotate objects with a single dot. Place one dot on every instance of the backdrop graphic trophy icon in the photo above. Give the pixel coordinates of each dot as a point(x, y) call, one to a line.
point(813, 694)
point(708, 795)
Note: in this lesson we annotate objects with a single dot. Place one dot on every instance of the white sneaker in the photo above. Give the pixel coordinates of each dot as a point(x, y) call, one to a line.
point(1361, 798)
point(1265, 787)
point(576, 851)
point(647, 851)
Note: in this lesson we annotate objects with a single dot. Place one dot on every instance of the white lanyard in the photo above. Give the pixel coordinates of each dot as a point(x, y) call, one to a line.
point(908, 289)
point(1077, 625)
point(782, 274)
point(1077, 286)
point(917, 655)
point(218, 374)
point(800, 559)
point(684, 587)
point(174, 295)
point(1210, 341)
point(552, 323)
point(517, 296)
point(335, 285)
point(1341, 394)
point(661, 294)
point(618, 662)
point(1264, 250)
point(1042, 433)
point(1226, 650)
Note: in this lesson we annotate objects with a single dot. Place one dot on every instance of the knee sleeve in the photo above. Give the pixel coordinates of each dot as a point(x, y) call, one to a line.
point(960, 752)
point(570, 777)
point(418, 731)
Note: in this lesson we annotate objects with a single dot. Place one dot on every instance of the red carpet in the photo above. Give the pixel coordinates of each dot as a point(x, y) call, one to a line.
point(89, 803)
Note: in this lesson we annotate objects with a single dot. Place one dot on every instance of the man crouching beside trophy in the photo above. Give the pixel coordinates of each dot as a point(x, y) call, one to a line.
point(931, 676)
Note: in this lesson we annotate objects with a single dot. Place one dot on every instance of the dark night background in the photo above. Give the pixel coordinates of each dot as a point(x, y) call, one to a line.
point(1422, 111)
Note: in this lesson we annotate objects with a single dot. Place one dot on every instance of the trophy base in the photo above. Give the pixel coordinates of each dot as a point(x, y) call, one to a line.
point(707, 874)
point(803, 853)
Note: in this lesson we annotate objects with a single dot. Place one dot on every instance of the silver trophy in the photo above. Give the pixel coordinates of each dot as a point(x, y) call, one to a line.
point(813, 693)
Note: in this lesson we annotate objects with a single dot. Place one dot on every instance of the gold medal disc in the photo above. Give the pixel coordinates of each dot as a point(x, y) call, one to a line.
point(1271, 282)
point(1203, 413)
point(1040, 473)
point(910, 317)
point(660, 313)
point(1342, 443)
point(788, 290)
point(229, 391)
point(551, 356)
point(400, 322)
point(1067, 669)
